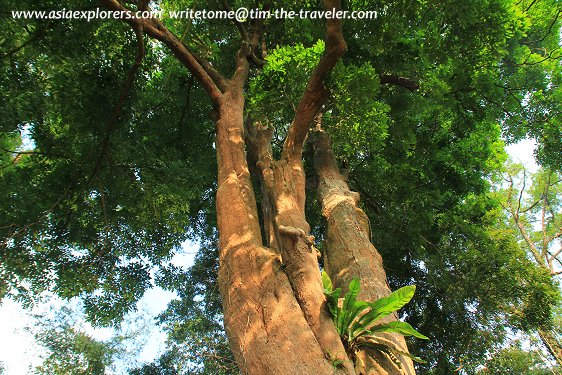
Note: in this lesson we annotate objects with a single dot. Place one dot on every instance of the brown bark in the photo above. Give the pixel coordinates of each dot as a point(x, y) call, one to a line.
point(349, 252)
point(552, 344)
point(211, 80)
point(315, 93)
point(283, 185)
point(266, 328)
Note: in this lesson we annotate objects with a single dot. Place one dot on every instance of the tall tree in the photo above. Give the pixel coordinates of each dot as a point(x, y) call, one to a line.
point(514, 360)
point(533, 202)
point(103, 194)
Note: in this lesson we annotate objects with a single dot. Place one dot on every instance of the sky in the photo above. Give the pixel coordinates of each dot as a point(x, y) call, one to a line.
point(522, 152)
point(19, 352)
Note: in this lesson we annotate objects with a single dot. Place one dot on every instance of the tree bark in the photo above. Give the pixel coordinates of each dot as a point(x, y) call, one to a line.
point(283, 186)
point(267, 330)
point(349, 252)
point(552, 344)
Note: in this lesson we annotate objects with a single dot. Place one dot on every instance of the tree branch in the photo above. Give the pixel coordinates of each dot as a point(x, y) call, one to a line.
point(527, 238)
point(111, 123)
point(515, 214)
point(239, 25)
point(555, 236)
point(38, 35)
point(555, 255)
point(18, 154)
point(243, 58)
point(316, 94)
point(200, 69)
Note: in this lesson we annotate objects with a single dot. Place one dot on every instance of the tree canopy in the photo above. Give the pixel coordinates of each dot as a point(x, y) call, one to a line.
point(107, 158)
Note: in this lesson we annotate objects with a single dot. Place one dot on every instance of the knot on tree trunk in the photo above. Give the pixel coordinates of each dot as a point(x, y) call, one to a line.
point(296, 233)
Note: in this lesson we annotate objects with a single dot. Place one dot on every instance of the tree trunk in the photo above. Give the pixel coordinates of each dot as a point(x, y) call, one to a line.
point(275, 313)
point(349, 252)
point(552, 344)
point(266, 327)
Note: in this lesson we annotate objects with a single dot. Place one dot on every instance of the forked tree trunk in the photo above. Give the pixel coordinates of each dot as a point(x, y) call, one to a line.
point(275, 313)
point(274, 307)
point(267, 331)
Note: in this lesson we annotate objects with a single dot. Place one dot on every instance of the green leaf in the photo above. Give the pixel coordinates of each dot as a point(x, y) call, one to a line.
point(358, 307)
point(387, 305)
point(333, 302)
point(357, 330)
point(326, 283)
point(412, 357)
point(347, 307)
point(385, 348)
point(402, 328)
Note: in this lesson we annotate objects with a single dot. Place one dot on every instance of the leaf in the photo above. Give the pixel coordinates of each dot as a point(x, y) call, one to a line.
point(326, 282)
point(384, 347)
point(357, 330)
point(402, 328)
point(412, 357)
point(347, 307)
point(333, 302)
point(387, 305)
point(359, 307)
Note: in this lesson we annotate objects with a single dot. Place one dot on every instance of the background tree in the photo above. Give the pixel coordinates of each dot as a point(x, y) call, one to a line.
point(514, 360)
point(66, 346)
point(533, 203)
point(117, 167)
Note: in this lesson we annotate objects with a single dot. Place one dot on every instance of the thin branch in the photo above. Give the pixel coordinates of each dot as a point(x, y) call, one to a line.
point(521, 192)
point(187, 101)
point(527, 239)
point(543, 219)
point(531, 206)
point(516, 218)
point(239, 25)
point(157, 30)
point(34, 152)
point(38, 35)
point(551, 26)
point(315, 93)
point(555, 236)
point(112, 122)
point(530, 5)
point(555, 255)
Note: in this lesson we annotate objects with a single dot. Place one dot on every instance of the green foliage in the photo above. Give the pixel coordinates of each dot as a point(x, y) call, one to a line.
point(71, 351)
point(275, 92)
point(422, 160)
point(67, 344)
point(515, 360)
point(196, 341)
point(533, 209)
point(356, 321)
point(80, 220)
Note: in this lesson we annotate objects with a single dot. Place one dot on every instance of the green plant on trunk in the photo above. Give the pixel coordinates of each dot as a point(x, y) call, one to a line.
point(358, 322)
